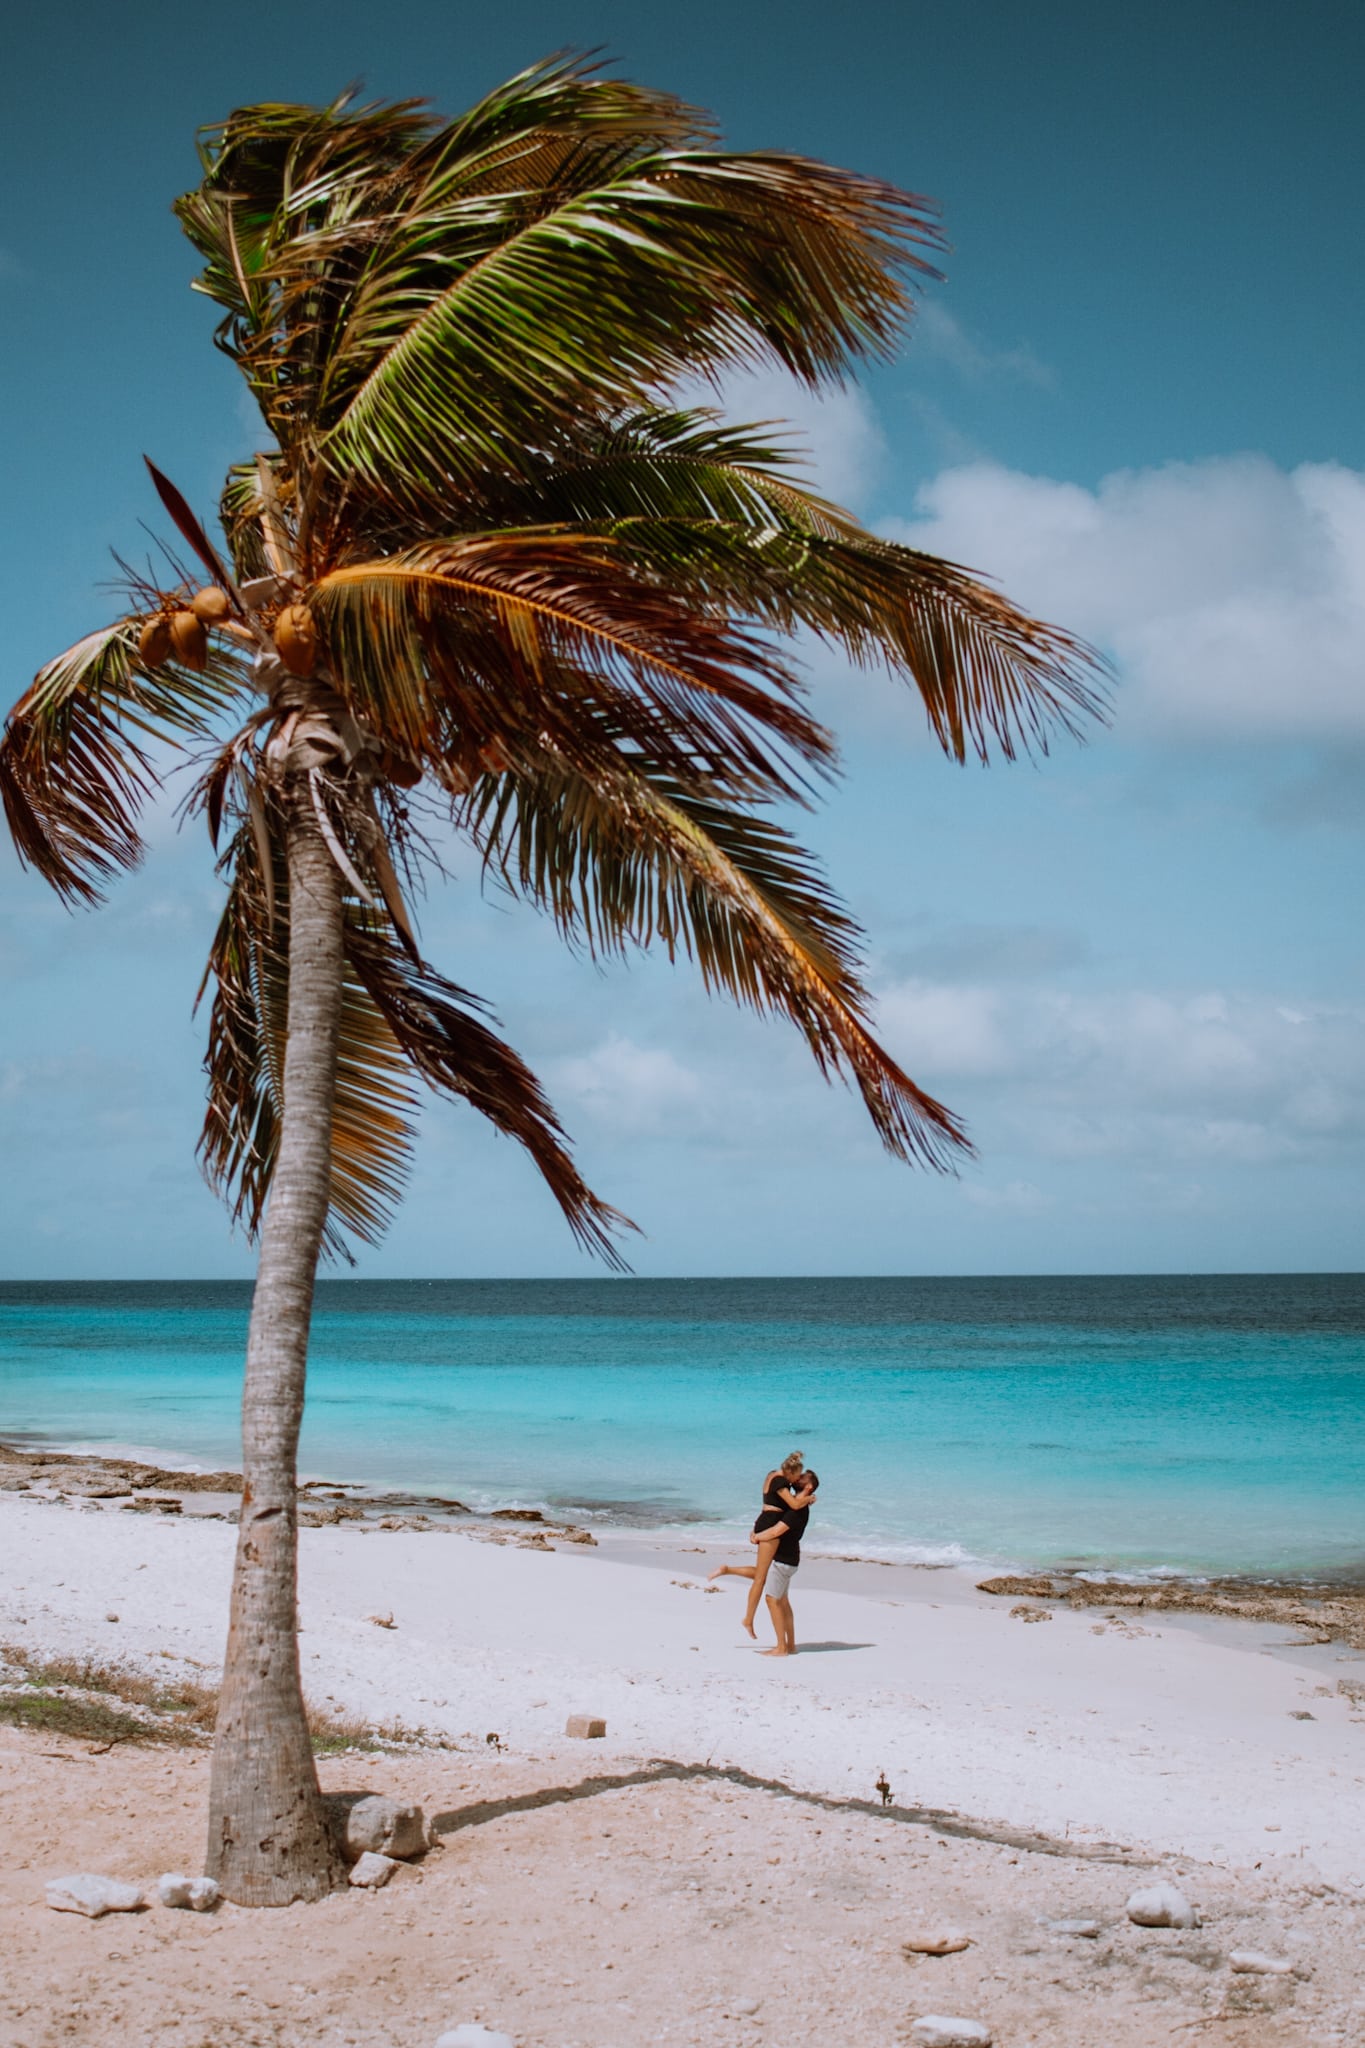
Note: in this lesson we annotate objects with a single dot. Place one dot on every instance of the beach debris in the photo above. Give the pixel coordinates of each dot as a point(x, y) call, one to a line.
point(111, 1616)
point(92, 1895)
point(1161, 1905)
point(382, 1620)
point(378, 1825)
point(1030, 1614)
point(936, 1941)
point(192, 1894)
point(1301, 1714)
point(885, 1790)
point(945, 2030)
point(372, 1870)
point(586, 1727)
point(1080, 1930)
point(471, 2035)
point(1250, 1962)
point(494, 1741)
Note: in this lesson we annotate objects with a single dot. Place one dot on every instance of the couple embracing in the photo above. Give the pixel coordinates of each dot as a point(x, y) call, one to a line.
point(788, 1492)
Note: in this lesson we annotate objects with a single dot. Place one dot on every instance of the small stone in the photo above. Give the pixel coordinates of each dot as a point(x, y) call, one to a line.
point(943, 2030)
point(937, 1941)
point(372, 1870)
point(471, 2035)
point(111, 1617)
point(745, 2008)
point(1080, 1930)
point(585, 1726)
point(92, 1895)
point(1250, 1962)
point(380, 1825)
point(195, 1894)
point(1161, 1905)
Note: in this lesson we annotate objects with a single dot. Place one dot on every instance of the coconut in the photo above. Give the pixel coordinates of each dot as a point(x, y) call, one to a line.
point(154, 641)
point(210, 604)
point(190, 641)
point(296, 639)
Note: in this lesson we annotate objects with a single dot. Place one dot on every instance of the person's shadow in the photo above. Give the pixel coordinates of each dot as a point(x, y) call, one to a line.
point(805, 1649)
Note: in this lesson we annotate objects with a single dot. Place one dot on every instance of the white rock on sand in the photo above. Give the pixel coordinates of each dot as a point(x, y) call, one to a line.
point(382, 1825)
point(371, 1870)
point(469, 2035)
point(92, 1895)
point(1250, 1962)
point(942, 2030)
point(192, 1894)
point(1161, 1905)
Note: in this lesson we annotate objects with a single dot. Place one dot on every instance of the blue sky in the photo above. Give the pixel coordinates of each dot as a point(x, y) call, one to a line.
point(1137, 968)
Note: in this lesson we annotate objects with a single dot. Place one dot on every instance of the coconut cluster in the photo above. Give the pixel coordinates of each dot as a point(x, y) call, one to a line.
point(182, 631)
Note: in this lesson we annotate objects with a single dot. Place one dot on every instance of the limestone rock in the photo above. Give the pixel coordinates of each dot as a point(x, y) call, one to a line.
point(193, 1894)
point(1250, 1962)
point(372, 1870)
point(586, 1726)
point(380, 1826)
point(943, 2030)
point(92, 1895)
point(1081, 1930)
point(471, 2035)
point(937, 1941)
point(1161, 1905)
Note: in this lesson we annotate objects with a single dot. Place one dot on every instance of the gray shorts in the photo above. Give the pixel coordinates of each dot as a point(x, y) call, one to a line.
point(779, 1579)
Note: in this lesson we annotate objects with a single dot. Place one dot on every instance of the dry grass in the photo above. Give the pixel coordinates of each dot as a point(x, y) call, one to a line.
point(99, 1701)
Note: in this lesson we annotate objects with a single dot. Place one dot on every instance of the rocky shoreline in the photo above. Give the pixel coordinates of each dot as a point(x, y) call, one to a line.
point(134, 1486)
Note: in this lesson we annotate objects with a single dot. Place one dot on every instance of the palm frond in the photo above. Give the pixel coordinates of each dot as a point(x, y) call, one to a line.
point(634, 859)
point(75, 772)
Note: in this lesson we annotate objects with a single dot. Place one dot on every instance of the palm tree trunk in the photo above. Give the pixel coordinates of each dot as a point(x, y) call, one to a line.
point(269, 1840)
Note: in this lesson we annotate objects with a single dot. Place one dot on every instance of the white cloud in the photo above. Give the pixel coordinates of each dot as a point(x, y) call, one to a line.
point(1231, 593)
point(1147, 1075)
point(937, 333)
point(628, 1088)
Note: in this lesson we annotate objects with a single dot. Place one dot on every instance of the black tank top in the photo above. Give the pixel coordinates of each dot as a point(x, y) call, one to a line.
point(772, 1497)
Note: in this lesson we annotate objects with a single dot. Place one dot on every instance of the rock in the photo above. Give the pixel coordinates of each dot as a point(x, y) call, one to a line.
point(1250, 1962)
point(937, 1941)
point(517, 1515)
point(92, 1895)
point(942, 2030)
point(1030, 1614)
point(380, 1826)
point(195, 1894)
point(1161, 1905)
point(1033, 1588)
point(585, 1726)
point(470, 2035)
point(372, 1870)
point(1081, 1930)
point(111, 1617)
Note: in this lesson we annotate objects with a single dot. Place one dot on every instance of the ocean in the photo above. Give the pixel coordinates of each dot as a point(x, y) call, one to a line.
point(1137, 1424)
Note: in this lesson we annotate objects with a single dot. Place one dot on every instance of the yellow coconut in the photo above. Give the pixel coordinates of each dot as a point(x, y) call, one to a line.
point(296, 639)
point(190, 641)
point(154, 641)
point(210, 604)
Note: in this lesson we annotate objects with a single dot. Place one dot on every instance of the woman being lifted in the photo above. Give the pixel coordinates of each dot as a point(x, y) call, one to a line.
point(786, 1490)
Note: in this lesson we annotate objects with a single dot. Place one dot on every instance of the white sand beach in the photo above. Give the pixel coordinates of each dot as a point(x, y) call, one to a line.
point(1220, 1753)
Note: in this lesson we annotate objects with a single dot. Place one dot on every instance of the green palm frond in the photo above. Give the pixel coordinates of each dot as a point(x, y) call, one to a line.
point(515, 609)
point(635, 860)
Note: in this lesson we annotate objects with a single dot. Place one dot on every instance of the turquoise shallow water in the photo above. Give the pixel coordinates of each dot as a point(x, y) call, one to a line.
point(1189, 1424)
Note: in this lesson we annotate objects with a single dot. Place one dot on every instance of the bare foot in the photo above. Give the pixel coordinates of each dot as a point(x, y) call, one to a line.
point(749, 1630)
point(719, 1572)
point(776, 1653)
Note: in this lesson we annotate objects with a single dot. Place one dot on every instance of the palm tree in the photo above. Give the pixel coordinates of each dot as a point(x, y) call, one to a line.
point(488, 576)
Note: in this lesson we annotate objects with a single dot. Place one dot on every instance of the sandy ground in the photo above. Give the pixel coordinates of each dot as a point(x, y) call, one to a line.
point(650, 1909)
